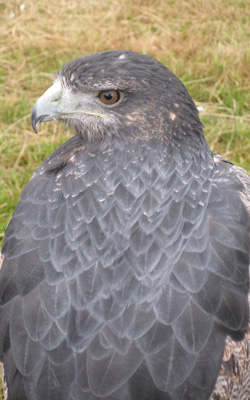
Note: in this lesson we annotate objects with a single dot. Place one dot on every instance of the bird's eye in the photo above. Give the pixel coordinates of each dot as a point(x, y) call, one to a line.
point(109, 97)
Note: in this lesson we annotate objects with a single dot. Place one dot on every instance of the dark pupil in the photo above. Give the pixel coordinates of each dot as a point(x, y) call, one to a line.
point(108, 96)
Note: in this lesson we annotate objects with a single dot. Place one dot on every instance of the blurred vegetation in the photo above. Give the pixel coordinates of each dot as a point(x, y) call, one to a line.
point(205, 43)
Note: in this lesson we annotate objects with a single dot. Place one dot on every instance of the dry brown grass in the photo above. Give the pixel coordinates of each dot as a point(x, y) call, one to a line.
point(176, 32)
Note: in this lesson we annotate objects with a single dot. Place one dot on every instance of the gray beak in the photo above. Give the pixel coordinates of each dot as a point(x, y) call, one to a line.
point(52, 105)
point(43, 112)
point(47, 106)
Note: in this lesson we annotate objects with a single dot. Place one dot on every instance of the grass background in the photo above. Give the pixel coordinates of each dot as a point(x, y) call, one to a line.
point(204, 42)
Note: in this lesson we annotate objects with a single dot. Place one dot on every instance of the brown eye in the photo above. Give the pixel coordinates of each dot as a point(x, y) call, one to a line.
point(109, 97)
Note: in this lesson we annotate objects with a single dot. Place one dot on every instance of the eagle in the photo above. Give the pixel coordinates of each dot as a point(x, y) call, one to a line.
point(125, 270)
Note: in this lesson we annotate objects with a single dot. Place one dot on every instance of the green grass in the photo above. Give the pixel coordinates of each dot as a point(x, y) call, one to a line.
point(1, 390)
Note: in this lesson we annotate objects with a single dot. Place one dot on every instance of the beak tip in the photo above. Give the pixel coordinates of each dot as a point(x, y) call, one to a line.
point(34, 125)
point(43, 112)
point(34, 119)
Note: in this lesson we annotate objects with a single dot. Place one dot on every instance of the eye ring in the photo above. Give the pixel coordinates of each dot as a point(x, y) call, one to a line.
point(109, 97)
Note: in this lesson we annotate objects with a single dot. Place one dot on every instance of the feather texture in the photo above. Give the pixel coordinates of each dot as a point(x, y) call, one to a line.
point(125, 268)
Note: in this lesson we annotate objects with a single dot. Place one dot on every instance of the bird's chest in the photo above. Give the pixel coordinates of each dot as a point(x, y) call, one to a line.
point(129, 212)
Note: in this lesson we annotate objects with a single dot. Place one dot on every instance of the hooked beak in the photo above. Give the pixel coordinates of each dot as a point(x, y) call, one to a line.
point(51, 107)
point(47, 106)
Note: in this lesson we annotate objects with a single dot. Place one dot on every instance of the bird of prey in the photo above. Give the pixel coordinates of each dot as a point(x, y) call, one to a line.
point(126, 262)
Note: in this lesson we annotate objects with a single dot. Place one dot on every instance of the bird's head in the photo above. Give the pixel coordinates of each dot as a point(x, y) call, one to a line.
point(119, 94)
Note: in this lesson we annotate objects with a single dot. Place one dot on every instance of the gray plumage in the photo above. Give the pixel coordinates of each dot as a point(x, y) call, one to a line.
point(126, 260)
